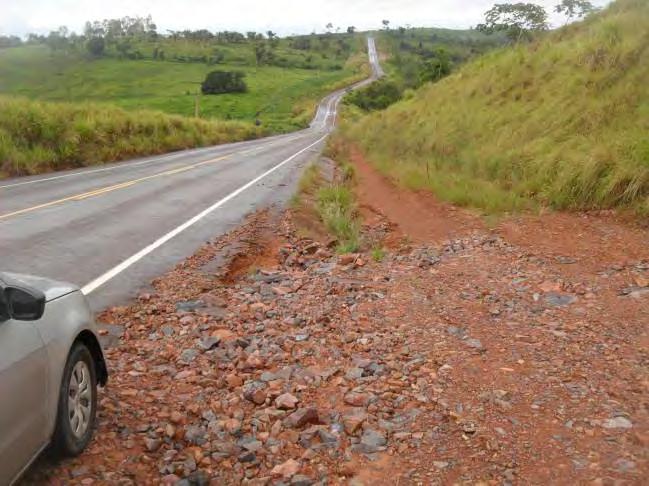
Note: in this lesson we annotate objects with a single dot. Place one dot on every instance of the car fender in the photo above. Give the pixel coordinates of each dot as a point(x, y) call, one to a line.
point(66, 320)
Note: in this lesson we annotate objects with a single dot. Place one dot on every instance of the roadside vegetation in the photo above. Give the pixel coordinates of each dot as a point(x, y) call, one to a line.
point(337, 211)
point(330, 204)
point(38, 136)
point(558, 120)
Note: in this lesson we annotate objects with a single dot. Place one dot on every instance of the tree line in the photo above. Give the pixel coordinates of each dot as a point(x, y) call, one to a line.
point(520, 21)
point(122, 37)
point(419, 64)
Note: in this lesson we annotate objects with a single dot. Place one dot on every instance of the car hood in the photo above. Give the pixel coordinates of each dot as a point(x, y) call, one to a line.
point(52, 289)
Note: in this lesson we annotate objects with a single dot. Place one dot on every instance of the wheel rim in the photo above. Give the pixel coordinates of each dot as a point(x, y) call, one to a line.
point(79, 399)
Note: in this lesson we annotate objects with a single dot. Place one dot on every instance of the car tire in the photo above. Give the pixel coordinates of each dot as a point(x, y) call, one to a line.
point(77, 408)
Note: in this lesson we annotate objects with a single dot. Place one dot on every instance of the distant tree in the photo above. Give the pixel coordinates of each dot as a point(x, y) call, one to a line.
point(230, 37)
point(263, 54)
point(217, 57)
point(273, 39)
point(76, 41)
point(402, 31)
point(517, 20)
point(329, 26)
point(94, 29)
point(386, 24)
point(57, 39)
point(575, 8)
point(435, 68)
point(302, 43)
point(123, 47)
point(218, 82)
point(351, 29)
point(376, 96)
point(9, 41)
point(96, 46)
point(36, 39)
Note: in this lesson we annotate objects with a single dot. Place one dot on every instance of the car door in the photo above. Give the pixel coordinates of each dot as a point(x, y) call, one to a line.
point(23, 394)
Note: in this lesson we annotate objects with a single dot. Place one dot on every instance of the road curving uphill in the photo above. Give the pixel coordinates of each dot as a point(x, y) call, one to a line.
point(112, 229)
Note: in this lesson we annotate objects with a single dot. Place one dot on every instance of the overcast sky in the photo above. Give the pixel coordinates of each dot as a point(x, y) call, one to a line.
point(283, 16)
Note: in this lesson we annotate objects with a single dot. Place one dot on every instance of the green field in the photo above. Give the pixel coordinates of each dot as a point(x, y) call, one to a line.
point(285, 96)
point(559, 122)
point(61, 107)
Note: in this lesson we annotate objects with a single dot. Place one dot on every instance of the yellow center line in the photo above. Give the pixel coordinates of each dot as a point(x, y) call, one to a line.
point(115, 187)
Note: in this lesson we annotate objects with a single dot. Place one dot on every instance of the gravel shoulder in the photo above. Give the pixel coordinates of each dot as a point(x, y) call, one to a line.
point(517, 355)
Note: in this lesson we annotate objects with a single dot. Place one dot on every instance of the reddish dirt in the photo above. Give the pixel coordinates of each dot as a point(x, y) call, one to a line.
point(594, 257)
point(591, 238)
point(416, 214)
point(259, 253)
point(513, 356)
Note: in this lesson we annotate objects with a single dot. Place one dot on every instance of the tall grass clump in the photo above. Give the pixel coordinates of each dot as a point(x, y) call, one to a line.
point(38, 137)
point(562, 122)
point(336, 208)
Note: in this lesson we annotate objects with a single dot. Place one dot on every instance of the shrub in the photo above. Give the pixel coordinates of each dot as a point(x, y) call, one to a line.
point(218, 82)
point(376, 96)
point(96, 46)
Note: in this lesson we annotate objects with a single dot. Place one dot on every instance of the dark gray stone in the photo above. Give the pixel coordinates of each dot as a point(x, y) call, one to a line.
point(209, 342)
point(474, 343)
point(559, 300)
point(195, 434)
point(371, 441)
point(188, 355)
point(189, 305)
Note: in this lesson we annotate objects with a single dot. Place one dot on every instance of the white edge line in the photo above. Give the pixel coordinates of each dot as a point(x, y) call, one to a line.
point(116, 270)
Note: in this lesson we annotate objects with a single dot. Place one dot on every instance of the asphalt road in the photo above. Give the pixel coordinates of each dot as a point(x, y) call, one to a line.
point(111, 229)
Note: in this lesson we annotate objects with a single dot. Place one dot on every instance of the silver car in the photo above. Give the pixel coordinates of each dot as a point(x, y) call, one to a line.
point(50, 364)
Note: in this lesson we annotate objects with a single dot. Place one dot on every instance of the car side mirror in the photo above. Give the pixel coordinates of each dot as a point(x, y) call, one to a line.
point(24, 304)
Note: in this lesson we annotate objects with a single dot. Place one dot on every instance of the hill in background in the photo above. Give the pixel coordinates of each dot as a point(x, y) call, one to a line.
point(562, 121)
point(285, 77)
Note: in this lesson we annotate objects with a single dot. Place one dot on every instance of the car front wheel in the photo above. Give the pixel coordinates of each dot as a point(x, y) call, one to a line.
point(75, 421)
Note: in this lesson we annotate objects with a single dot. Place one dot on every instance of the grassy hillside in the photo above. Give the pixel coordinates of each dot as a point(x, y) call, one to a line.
point(170, 86)
point(416, 56)
point(40, 137)
point(560, 122)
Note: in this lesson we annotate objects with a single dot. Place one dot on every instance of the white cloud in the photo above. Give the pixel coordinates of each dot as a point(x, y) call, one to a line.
point(283, 16)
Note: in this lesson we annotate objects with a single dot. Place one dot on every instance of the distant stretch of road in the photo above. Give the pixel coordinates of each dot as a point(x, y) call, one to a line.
point(111, 229)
